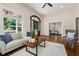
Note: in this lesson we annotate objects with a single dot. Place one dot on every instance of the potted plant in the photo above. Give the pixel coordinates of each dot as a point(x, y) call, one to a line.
point(33, 36)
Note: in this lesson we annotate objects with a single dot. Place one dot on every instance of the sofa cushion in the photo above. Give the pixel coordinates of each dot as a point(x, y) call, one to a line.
point(14, 43)
point(6, 38)
point(20, 36)
point(14, 36)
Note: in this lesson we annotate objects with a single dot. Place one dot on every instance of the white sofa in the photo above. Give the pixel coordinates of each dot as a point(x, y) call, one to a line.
point(18, 41)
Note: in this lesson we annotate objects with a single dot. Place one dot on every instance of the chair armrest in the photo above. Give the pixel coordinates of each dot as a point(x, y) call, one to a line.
point(27, 38)
point(2, 46)
point(75, 40)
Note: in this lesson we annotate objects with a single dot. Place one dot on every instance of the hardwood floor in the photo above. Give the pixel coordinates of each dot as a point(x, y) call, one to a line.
point(70, 51)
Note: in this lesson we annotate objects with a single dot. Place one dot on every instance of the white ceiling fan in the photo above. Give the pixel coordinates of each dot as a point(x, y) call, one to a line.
point(49, 4)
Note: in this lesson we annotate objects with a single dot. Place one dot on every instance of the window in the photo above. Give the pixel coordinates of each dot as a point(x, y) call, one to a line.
point(12, 25)
point(19, 27)
point(55, 28)
point(12, 22)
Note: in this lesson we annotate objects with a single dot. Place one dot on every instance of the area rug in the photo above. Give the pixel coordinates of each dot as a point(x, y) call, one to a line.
point(51, 49)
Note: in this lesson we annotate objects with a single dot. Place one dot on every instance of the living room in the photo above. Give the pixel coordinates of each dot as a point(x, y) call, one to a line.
point(64, 15)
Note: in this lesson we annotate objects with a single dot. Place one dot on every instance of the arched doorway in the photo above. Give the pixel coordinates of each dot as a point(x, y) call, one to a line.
point(35, 25)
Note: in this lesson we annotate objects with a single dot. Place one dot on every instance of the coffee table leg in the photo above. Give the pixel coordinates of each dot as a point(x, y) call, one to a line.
point(32, 52)
point(26, 48)
point(36, 50)
point(44, 43)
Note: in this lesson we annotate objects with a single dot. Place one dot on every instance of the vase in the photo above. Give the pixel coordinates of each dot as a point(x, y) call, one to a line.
point(33, 40)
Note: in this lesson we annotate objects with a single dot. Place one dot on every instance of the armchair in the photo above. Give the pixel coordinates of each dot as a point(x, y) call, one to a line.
point(71, 38)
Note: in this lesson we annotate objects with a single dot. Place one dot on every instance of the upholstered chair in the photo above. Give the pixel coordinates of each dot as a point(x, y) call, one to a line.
point(71, 38)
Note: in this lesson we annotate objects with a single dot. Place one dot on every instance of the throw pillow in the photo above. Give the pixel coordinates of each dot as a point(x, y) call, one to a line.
point(71, 35)
point(28, 34)
point(6, 38)
point(0, 38)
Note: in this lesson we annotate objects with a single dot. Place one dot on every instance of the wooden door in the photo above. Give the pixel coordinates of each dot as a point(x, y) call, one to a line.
point(77, 26)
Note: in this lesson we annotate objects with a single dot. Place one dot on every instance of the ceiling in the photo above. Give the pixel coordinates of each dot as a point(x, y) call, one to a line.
point(47, 10)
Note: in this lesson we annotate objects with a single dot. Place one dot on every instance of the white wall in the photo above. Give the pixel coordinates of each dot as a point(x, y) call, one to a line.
point(1, 21)
point(67, 18)
point(76, 10)
point(18, 9)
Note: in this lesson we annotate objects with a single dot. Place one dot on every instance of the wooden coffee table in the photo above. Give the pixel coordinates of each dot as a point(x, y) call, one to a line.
point(35, 45)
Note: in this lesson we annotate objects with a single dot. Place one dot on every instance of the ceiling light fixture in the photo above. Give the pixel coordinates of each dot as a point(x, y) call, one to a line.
point(61, 6)
point(49, 4)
